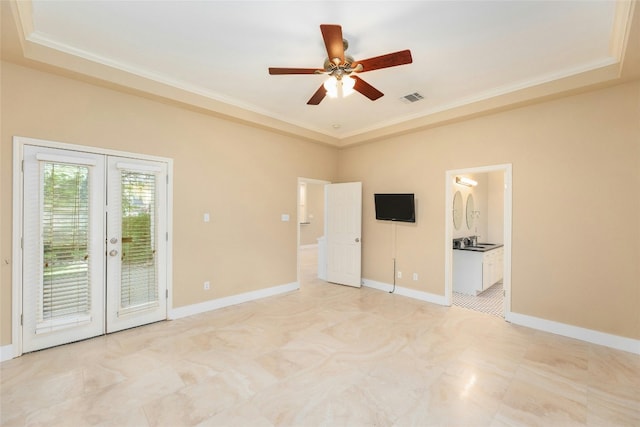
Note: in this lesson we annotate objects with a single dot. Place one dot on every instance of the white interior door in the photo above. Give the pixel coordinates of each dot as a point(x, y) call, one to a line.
point(63, 249)
point(94, 245)
point(136, 243)
point(343, 232)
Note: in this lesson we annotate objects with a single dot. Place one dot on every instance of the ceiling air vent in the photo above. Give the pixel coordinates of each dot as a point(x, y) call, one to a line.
point(412, 97)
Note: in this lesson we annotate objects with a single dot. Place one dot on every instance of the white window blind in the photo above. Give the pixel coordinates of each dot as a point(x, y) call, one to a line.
point(64, 296)
point(139, 281)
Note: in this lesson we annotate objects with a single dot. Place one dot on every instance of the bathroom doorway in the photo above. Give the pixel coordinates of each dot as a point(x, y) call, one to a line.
point(478, 216)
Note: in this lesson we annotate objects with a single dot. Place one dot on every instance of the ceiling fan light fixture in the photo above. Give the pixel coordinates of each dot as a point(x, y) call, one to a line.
point(339, 87)
point(347, 86)
point(331, 86)
point(463, 180)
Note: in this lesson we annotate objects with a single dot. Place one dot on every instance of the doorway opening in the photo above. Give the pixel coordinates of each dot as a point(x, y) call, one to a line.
point(310, 226)
point(337, 240)
point(478, 224)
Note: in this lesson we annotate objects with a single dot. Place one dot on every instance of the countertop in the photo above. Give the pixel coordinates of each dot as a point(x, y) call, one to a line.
point(482, 247)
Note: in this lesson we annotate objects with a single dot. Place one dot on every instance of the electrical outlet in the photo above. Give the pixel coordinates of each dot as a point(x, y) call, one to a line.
point(415, 276)
point(399, 274)
point(207, 285)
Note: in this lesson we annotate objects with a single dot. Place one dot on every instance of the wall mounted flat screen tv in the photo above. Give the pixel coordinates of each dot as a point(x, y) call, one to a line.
point(395, 207)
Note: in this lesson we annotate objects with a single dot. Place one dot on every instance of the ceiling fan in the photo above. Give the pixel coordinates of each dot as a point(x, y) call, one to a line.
point(342, 68)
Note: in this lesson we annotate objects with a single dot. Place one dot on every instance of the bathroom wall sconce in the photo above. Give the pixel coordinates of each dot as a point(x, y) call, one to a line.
point(461, 180)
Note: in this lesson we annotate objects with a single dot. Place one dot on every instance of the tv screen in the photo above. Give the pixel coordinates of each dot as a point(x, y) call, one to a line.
point(395, 207)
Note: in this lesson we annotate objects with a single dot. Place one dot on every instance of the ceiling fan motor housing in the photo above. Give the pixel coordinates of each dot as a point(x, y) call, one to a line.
point(340, 70)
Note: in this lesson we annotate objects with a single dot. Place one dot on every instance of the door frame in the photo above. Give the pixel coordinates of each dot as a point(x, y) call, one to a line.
point(324, 214)
point(18, 186)
point(507, 229)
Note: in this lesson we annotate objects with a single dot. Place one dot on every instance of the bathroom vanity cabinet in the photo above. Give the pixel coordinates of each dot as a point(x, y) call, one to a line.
point(475, 271)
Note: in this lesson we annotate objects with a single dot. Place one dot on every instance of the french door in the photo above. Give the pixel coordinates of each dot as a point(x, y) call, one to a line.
point(136, 242)
point(94, 251)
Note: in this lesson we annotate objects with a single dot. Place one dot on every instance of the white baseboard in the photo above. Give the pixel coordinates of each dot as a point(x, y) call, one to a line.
point(406, 292)
point(215, 304)
point(595, 337)
point(6, 352)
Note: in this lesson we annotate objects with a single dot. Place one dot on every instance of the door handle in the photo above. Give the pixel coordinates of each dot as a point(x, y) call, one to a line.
point(357, 240)
point(113, 252)
point(114, 240)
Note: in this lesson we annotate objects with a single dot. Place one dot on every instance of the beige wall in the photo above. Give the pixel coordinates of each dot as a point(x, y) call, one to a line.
point(495, 208)
point(244, 177)
point(576, 174)
point(576, 171)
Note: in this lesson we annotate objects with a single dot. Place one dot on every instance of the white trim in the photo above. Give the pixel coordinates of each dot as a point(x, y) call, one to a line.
point(63, 323)
point(16, 268)
point(380, 286)
point(169, 231)
point(65, 159)
point(215, 304)
point(595, 337)
point(406, 292)
point(138, 167)
point(6, 353)
point(309, 246)
point(23, 140)
point(507, 168)
point(16, 250)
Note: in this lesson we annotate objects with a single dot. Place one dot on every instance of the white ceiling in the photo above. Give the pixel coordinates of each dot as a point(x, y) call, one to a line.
point(462, 51)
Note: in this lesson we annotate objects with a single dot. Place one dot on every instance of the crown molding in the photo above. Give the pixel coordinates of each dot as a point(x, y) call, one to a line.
point(38, 49)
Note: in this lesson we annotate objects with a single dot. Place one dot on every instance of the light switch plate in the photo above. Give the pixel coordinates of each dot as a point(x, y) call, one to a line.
point(284, 217)
point(206, 217)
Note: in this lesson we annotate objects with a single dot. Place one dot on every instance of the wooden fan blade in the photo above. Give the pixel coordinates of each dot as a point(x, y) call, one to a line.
point(276, 71)
point(366, 89)
point(332, 35)
point(318, 96)
point(385, 61)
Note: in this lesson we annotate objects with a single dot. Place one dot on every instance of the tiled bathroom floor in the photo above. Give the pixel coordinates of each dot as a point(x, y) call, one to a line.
point(490, 301)
point(325, 355)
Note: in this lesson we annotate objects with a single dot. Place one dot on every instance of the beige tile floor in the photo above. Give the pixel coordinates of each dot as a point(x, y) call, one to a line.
point(326, 355)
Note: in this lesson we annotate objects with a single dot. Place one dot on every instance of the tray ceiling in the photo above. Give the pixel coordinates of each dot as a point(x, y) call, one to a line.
point(216, 54)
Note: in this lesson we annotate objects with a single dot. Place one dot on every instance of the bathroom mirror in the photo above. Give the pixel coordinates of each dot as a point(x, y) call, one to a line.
point(457, 210)
point(470, 209)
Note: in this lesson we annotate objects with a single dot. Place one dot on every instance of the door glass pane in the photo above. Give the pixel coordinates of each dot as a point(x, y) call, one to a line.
point(65, 242)
point(139, 284)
